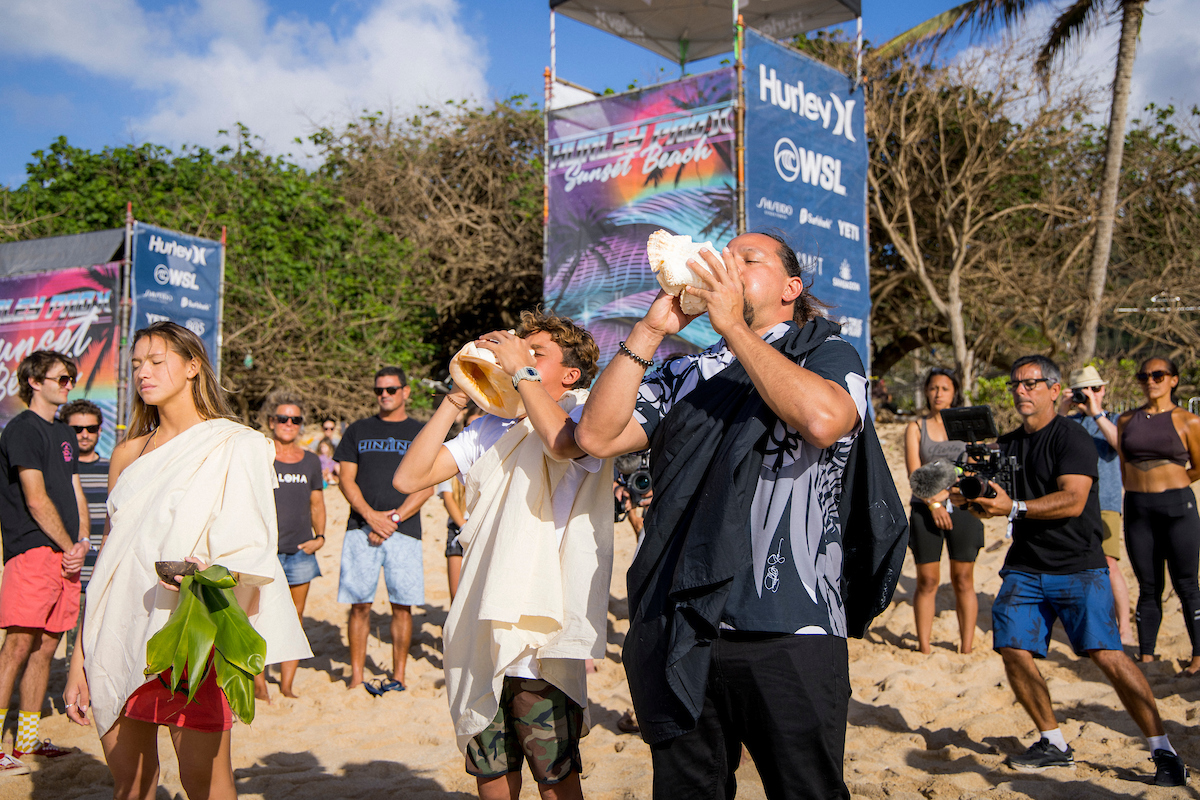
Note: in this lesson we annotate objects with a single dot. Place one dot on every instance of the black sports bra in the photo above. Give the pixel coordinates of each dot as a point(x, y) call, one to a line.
point(1153, 438)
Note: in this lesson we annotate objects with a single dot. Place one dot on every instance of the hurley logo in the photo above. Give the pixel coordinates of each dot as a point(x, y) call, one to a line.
point(194, 254)
point(807, 104)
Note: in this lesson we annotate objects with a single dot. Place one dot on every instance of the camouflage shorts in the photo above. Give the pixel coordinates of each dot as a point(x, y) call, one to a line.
point(536, 722)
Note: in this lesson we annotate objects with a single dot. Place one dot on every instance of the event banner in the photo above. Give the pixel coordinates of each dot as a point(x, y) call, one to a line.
point(177, 277)
point(71, 311)
point(620, 168)
point(806, 174)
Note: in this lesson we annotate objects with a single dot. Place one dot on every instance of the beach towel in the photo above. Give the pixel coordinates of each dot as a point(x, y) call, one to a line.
point(520, 588)
point(208, 493)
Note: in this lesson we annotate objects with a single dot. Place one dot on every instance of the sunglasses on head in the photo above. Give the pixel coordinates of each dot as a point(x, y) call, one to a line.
point(379, 390)
point(283, 419)
point(1158, 376)
point(88, 428)
point(62, 380)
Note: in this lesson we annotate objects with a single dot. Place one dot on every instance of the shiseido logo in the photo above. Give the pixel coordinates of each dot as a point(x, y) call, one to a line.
point(774, 208)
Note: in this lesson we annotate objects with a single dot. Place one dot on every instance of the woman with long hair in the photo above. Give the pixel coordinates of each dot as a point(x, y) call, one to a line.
point(935, 521)
point(1160, 458)
point(189, 483)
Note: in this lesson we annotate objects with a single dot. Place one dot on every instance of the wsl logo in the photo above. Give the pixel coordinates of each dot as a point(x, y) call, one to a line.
point(842, 281)
point(192, 253)
point(809, 166)
point(182, 278)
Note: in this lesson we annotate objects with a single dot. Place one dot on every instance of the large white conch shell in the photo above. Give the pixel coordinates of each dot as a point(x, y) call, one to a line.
point(475, 371)
point(668, 258)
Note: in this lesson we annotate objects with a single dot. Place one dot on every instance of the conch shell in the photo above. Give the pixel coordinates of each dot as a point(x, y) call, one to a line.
point(475, 371)
point(668, 258)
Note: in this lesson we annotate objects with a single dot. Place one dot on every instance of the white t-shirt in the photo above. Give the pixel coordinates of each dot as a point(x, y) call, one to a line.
point(475, 440)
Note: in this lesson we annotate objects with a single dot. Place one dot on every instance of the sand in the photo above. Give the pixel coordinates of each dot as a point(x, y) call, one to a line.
point(936, 726)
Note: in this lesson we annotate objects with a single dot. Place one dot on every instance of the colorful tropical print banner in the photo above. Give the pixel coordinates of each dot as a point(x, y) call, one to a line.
point(71, 311)
point(620, 168)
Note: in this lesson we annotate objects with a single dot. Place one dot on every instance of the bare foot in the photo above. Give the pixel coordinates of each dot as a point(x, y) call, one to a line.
point(288, 692)
point(1146, 659)
point(353, 684)
point(260, 689)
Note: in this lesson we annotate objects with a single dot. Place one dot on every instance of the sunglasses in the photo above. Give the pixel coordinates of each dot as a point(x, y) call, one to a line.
point(327, 427)
point(88, 428)
point(1158, 376)
point(283, 419)
point(379, 390)
point(1029, 383)
point(62, 380)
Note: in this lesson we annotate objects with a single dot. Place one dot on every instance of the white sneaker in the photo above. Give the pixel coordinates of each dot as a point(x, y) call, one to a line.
point(11, 766)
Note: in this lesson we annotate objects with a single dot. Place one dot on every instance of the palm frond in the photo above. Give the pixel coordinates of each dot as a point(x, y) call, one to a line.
point(980, 15)
point(1077, 22)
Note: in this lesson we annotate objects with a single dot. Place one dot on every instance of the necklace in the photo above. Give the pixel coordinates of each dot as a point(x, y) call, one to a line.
point(1166, 410)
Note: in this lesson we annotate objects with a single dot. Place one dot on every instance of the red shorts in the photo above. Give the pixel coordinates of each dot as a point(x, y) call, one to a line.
point(155, 702)
point(34, 594)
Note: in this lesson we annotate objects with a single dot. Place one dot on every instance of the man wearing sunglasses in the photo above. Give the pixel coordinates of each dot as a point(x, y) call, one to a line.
point(384, 528)
point(1055, 568)
point(44, 519)
point(85, 418)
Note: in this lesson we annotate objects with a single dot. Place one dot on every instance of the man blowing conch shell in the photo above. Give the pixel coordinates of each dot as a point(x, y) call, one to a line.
point(532, 603)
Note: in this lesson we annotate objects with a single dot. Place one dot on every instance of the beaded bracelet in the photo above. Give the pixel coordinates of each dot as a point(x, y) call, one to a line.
point(645, 363)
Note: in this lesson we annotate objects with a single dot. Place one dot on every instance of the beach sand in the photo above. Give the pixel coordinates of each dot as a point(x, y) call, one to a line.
point(936, 726)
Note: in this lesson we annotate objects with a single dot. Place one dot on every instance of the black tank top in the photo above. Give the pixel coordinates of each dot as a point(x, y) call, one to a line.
point(1152, 438)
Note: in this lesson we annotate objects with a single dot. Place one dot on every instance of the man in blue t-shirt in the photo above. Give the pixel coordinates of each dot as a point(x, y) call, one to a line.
point(384, 528)
point(1055, 569)
point(1101, 425)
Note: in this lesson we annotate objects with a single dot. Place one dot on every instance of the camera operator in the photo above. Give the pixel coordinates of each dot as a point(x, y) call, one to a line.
point(633, 489)
point(1084, 402)
point(1055, 568)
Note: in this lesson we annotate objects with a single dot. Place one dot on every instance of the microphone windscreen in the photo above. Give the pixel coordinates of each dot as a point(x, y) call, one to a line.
point(931, 478)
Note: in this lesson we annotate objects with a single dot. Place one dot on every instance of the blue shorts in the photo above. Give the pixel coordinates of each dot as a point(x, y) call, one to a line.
point(299, 567)
point(1029, 602)
point(400, 558)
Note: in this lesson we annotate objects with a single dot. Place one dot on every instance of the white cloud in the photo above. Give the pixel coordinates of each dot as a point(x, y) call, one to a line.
point(209, 64)
point(1167, 69)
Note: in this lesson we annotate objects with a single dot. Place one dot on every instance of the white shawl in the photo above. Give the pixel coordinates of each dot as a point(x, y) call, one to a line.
point(519, 588)
point(209, 493)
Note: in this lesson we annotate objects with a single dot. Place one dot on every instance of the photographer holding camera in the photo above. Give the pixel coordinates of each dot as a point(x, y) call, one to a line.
point(1055, 568)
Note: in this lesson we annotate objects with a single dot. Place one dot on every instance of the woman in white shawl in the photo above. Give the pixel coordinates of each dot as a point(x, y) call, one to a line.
point(189, 482)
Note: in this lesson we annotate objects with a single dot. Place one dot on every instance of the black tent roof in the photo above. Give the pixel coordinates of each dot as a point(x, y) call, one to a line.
point(61, 252)
point(688, 30)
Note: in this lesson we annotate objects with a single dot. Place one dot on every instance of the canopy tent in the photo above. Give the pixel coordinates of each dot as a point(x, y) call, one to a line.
point(688, 30)
point(60, 252)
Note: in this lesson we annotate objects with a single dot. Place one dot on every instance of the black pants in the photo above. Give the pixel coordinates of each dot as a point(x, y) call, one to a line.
point(785, 698)
point(1162, 528)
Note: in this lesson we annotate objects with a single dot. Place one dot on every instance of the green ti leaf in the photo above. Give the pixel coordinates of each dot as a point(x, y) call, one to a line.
point(184, 643)
point(216, 576)
point(238, 686)
point(236, 639)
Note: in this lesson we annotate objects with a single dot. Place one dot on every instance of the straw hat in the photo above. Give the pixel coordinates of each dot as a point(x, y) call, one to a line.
point(1085, 378)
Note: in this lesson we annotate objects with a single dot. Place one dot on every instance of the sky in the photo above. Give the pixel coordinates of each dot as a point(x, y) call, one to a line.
point(116, 72)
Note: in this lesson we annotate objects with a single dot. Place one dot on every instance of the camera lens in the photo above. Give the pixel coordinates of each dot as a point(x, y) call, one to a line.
point(973, 487)
point(640, 482)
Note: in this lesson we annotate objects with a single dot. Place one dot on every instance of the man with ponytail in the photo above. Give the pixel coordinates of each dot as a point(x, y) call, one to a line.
point(738, 607)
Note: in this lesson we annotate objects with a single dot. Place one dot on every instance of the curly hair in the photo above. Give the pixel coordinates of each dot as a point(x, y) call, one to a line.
point(34, 368)
point(281, 397)
point(68, 410)
point(578, 347)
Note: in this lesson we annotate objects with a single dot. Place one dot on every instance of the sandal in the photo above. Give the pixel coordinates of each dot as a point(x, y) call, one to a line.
point(628, 723)
point(381, 687)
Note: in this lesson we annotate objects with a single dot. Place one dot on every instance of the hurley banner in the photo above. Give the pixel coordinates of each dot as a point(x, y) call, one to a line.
point(620, 168)
point(70, 311)
point(806, 174)
point(177, 277)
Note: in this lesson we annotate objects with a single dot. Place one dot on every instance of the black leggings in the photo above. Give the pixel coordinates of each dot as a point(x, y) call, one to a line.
point(1163, 528)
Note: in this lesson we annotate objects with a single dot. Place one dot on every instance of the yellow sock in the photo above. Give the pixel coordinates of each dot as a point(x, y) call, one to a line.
point(27, 731)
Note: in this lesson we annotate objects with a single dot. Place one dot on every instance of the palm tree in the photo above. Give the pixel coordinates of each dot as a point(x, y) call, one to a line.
point(1079, 19)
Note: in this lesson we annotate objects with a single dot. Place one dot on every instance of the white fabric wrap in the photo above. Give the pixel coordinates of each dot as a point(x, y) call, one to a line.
point(208, 493)
point(519, 588)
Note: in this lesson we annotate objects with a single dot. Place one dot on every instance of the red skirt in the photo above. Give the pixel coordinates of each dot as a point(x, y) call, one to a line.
point(154, 702)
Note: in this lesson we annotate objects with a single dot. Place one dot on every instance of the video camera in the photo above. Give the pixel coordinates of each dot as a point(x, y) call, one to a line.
point(632, 471)
point(980, 462)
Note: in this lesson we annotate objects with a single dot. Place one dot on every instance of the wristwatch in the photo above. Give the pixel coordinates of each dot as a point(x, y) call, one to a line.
point(526, 374)
point(1099, 416)
point(936, 504)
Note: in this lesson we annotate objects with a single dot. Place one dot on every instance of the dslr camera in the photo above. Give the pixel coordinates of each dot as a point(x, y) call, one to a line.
point(981, 462)
point(632, 471)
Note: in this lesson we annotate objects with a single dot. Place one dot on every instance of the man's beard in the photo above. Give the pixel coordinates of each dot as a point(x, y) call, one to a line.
point(748, 313)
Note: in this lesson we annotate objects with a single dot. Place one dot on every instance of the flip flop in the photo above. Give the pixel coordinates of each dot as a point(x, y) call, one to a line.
point(381, 687)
